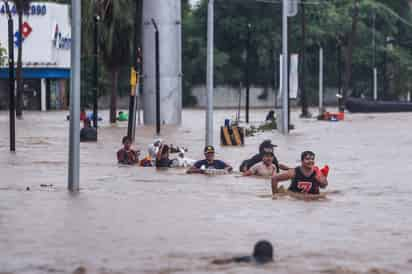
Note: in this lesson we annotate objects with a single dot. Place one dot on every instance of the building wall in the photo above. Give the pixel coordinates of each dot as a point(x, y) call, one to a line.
point(48, 44)
point(46, 53)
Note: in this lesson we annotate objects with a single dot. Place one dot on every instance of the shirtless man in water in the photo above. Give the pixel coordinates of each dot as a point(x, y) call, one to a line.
point(304, 178)
point(265, 168)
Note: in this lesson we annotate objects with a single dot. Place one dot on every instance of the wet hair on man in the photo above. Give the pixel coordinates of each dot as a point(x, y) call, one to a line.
point(306, 154)
point(126, 139)
point(262, 254)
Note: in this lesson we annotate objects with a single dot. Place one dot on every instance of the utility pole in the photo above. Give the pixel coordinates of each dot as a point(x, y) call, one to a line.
point(131, 124)
point(304, 103)
point(375, 71)
point(209, 73)
point(96, 70)
point(247, 71)
point(74, 138)
point(320, 80)
point(12, 101)
point(285, 93)
point(157, 78)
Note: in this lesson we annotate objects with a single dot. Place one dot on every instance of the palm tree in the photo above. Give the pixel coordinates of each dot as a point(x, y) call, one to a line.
point(116, 41)
point(21, 6)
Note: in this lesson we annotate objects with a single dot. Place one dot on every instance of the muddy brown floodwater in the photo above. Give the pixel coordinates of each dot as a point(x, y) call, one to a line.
point(139, 220)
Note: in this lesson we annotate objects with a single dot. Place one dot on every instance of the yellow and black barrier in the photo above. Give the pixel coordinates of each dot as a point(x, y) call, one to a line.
point(232, 135)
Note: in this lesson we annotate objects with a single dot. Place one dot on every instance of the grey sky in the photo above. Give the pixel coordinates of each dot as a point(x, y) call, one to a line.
point(193, 2)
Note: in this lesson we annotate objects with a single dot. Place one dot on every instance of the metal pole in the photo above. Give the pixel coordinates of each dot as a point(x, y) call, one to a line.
point(157, 78)
point(320, 80)
point(285, 126)
point(131, 124)
point(209, 75)
point(375, 84)
point(247, 72)
point(96, 72)
point(139, 86)
point(304, 103)
point(375, 71)
point(12, 102)
point(340, 103)
point(74, 139)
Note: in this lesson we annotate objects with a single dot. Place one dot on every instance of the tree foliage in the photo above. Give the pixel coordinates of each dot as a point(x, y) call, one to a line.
point(329, 24)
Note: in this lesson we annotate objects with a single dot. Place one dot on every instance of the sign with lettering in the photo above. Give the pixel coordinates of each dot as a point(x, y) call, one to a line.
point(34, 9)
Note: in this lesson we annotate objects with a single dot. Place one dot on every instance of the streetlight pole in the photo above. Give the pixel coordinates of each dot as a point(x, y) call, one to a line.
point(375, 71)
point(320, 80)
point(12, 102)
point(285, 93)
point(157, 77)
point(74, 138)
point(209, 73)
point(247, 72)
point(131, 123)
point(304, 103)
point(96, 72)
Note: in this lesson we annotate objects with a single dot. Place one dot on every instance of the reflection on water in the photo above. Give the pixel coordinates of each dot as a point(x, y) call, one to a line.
point(140, 220)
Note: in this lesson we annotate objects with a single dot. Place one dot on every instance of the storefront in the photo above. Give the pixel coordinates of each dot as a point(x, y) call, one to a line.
point(46, 41)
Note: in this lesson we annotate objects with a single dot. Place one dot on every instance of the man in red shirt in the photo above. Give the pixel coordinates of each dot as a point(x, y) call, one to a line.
point(127, 155)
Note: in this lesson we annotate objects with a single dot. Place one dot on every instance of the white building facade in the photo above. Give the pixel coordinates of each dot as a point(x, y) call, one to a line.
point(46, 54)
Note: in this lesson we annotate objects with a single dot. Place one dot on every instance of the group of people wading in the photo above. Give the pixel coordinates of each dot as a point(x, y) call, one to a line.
point(305, 178)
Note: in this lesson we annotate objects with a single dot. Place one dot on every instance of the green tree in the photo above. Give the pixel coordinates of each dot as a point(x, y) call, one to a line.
point(115, 42)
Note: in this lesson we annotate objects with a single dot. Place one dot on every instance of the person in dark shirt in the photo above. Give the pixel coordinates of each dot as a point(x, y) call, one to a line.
point(266, 144)
point(270, 117)
point(262, 254)
point(88, 133)
point(209, 162)
point(127, 155)
point(162, 158)
point(305, 178)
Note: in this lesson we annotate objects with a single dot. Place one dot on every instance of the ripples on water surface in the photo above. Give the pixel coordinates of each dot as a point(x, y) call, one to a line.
point(139, 220)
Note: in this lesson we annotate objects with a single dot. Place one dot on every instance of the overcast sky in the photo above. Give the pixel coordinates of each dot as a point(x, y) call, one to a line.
point(193, 1)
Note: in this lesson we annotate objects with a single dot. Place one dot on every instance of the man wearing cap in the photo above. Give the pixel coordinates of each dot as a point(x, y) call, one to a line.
point(209, 162)
point(266, 144)
point(265, 168)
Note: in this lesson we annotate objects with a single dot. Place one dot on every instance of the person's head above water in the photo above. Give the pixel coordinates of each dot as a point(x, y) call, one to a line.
point(263, 252)
point(266, 144)
point(209, 153)
point(126, 141)
point(267, 156)
point(308, 159)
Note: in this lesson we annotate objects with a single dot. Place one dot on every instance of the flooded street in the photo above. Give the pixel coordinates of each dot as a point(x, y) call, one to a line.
point(139, 220)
